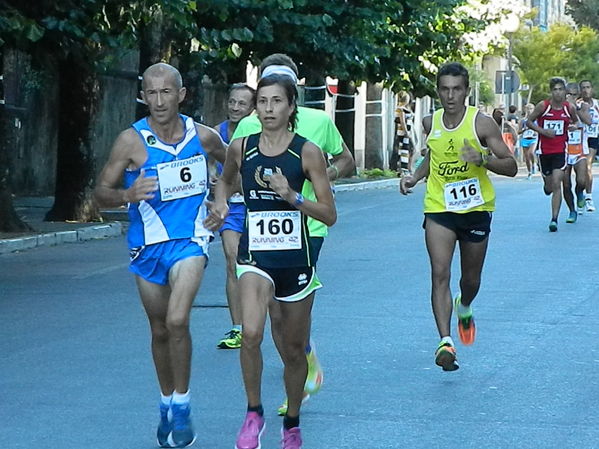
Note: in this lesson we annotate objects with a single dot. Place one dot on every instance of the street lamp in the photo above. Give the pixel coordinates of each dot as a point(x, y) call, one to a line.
point(511, 25)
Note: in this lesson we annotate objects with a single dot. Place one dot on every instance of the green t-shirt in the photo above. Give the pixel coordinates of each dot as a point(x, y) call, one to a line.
point(316, 126)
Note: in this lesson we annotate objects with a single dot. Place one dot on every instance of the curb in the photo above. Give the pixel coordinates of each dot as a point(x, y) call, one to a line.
point(115, 228)
point(367, 185)
point(56, 238)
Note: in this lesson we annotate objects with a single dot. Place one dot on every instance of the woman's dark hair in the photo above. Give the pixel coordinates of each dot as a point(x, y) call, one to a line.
point(290, 90)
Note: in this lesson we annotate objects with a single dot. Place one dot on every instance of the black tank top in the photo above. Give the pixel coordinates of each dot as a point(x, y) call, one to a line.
point(275, 233)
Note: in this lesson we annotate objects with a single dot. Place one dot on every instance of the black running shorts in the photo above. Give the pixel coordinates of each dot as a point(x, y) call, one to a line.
point(550, 162)
point(469, 227)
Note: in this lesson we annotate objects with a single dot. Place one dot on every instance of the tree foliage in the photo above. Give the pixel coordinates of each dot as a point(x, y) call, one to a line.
point(397, 42)
point(561, 51)
point(584, 12)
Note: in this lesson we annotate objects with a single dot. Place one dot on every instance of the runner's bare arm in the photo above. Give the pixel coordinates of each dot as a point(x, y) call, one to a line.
point(539, 108)
point(343, 163)
point(212, 142)
point(226, 185)
point(127, 152)
point(500, 159)
point(583, 111)
point(313, 163)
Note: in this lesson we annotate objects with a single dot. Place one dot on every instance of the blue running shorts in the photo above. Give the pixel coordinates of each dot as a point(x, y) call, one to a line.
point(235, 219)
point(153, 262)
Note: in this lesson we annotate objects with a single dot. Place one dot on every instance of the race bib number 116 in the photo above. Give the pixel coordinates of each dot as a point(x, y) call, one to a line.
point(463, 195)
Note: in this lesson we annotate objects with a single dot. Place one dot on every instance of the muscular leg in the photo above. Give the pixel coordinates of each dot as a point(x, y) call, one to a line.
point(567, 188)
point(581, 171)
point(230, 241)
point(440, 244)
point(472, 258)
point(257, 292)
point(555, 181)
point(527, 158)
point(168, 310)
point(154, 298)
point(589, 186)
point(296, 319)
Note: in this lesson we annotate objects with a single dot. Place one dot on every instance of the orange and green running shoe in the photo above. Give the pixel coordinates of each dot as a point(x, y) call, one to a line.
point(445, 357)
point(466, 326)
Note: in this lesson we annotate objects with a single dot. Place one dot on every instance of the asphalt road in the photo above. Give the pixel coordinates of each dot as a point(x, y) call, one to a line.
point(76, 369)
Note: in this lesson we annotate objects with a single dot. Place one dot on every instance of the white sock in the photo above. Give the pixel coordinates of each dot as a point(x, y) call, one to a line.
point(462, 310)
point(446, 340)
point(181, 398)
point(589, 196)
point(166, 400)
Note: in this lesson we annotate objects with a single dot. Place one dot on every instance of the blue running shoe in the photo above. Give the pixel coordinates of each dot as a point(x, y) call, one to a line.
point(164, 427)
point(182, 434)
point(572, 216)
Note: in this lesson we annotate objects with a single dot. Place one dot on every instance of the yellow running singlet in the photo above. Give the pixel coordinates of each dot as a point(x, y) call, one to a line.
point(454, 185)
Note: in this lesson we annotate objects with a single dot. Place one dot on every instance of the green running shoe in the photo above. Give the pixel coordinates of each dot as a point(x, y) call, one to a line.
point(315, 375)
point(446, 358)
point(466, 326)
point(231, 341)
point(572, 216)
point(282, 410)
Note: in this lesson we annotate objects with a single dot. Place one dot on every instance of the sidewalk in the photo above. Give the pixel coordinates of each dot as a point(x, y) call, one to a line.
point(50, 233)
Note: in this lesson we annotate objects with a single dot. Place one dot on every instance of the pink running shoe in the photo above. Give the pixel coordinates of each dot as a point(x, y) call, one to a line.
point(292, 438)
point(251, 431)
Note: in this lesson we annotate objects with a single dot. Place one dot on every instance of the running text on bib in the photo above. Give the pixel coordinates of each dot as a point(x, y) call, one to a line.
point(463, 195)
point(180, 179)
point(274, 230)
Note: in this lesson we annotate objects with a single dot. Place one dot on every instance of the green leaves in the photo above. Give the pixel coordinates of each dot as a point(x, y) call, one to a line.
point(397, 42)
point(561, 51)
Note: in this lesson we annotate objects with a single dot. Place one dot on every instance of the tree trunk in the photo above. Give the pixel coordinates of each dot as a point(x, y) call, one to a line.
point(374, 149)
point(79, 96)
point(150, 51)
point(9, 133)
point(345, 114)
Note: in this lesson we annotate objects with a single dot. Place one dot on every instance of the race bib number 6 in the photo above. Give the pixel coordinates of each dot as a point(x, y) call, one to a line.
point(183, 178)
point(274, 230)
point(463, 195)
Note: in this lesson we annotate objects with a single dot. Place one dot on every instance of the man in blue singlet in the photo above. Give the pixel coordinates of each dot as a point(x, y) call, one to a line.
point(240, 103)
point(162, 158)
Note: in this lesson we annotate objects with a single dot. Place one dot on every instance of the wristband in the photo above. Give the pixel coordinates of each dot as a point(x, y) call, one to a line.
point(299, 199)
point(334, 167)
point(484, 160)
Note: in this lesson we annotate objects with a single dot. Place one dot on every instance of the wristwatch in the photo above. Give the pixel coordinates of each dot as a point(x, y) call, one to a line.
point(299, 199)
point(484, 160)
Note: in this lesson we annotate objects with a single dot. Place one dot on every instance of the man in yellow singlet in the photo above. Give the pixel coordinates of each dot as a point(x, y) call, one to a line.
point(463, 144)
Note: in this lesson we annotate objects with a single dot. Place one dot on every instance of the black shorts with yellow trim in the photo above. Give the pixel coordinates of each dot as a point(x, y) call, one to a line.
point(472, 227)
point(291, 284)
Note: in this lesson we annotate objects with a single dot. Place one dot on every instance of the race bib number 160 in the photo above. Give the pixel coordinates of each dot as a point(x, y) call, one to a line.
point(274, 230)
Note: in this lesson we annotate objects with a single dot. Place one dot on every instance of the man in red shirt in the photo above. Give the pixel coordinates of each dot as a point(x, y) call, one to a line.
point(551, 119)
